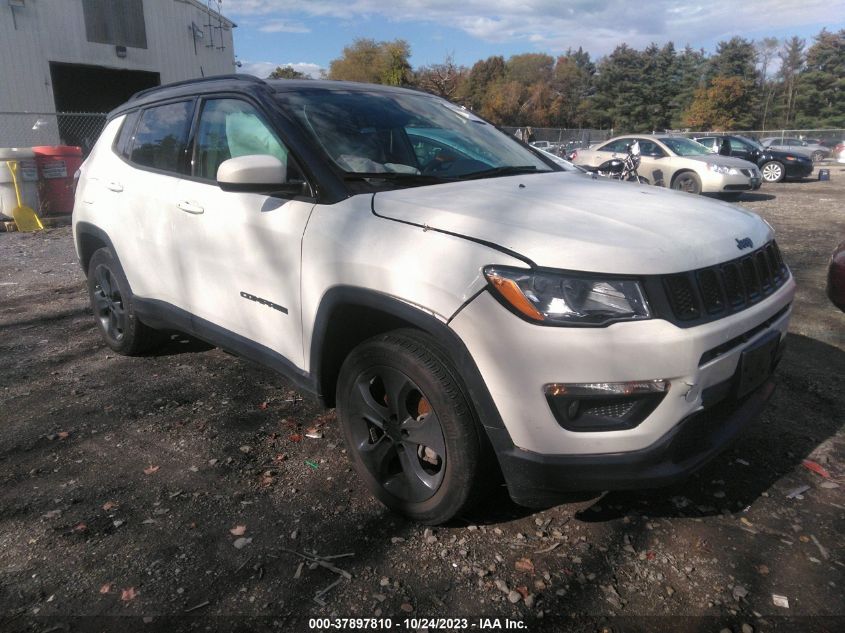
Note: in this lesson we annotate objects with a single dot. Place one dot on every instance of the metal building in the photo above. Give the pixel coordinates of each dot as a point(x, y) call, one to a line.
point(64, 63)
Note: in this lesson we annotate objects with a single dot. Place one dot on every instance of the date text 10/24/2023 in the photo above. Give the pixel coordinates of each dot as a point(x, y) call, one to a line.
point(416, 624)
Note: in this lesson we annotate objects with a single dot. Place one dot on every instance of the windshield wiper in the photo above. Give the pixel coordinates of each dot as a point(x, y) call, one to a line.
point(507, 170)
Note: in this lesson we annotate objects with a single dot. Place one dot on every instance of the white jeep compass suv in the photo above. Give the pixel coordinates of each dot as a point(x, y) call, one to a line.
point(473, 311)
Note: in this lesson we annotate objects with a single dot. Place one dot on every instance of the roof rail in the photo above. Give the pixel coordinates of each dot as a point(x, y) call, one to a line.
point(184, 82)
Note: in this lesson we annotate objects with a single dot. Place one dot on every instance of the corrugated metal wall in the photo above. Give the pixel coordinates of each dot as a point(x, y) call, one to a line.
point(54, 30)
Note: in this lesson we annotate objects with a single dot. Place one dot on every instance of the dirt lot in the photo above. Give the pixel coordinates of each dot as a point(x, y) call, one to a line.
point(181, 489)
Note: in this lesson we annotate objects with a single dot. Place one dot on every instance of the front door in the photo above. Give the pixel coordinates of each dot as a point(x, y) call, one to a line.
point(240, 252)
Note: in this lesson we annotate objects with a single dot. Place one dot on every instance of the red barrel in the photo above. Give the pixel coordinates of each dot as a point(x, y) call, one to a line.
point(56, 166)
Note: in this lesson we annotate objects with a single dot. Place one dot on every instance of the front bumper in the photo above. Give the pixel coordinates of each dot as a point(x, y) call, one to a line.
point(538, 480)
point(713, 182)
point(516, 358)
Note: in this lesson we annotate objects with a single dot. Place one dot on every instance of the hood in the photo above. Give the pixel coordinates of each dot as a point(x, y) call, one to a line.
point(570, 221)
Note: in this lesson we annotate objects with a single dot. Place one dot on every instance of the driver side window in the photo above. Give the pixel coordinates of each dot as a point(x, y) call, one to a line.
point(229, 128)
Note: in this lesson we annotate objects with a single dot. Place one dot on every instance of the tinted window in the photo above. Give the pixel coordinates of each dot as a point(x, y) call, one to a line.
point(124, 137)
point(709, 142)
point(229, 128)
point(650, 148)
point(161, 136)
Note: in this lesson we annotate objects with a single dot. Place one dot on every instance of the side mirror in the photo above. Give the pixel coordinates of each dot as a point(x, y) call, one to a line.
point(258, 173)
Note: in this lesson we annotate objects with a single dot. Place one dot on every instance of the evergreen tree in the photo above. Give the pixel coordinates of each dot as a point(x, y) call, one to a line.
point(820, 93)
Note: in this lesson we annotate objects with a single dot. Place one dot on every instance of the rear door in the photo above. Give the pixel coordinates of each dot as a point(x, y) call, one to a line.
point(652, 164)
point(613, 149)
point(239, 253)
point(147, 189)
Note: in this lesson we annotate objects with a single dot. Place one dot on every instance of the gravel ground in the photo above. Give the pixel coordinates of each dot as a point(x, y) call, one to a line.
point(182, 489)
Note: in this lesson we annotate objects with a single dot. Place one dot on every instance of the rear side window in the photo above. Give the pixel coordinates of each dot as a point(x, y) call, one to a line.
point(162, 135)
point(124, 137)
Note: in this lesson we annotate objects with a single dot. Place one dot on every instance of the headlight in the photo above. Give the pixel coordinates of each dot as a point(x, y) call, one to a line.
point(566, 299)
point(723, 169)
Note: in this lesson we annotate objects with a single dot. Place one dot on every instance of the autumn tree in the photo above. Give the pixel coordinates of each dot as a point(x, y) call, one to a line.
point(572, 83)
point(369, 61)
point(483, 74)
point(444, 80)
point(286, 72)
point(724, 105)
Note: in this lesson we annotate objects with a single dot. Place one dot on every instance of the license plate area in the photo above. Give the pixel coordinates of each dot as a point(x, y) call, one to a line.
point(755, 363)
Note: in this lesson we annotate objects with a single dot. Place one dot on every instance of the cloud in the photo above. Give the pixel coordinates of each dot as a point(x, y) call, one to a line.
point(263, 69)
point(283, 26)
point(556, 25)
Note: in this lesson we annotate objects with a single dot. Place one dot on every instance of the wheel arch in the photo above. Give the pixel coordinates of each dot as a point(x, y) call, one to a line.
point(89, 239)
point(348, 315)
point(681, 172)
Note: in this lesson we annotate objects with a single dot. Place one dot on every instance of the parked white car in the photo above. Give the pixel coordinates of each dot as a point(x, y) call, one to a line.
point(679, 163)
point(474, 314)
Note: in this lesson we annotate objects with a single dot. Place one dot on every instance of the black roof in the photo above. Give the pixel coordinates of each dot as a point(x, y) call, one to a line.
point(246, 83)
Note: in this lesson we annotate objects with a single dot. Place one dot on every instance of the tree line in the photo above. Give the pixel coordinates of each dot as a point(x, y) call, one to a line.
point(744, 84)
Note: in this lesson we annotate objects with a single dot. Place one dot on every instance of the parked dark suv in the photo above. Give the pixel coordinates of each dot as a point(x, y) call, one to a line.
point(775, 165)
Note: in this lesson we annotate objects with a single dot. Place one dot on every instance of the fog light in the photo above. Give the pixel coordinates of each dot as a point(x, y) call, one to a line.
point(604, 406)
point(607, 388)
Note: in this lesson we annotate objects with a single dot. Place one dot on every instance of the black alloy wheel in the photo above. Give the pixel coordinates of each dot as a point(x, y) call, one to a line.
point(410, 429)
point(397, 434)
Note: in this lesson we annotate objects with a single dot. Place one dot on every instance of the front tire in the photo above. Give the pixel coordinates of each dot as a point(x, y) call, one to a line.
point(773, 171)
point(818, 156)
point(687, 181)
point(409, 428)
point(111, 301)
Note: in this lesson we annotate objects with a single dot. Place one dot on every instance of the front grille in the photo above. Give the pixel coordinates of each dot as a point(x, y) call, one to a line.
point(728, 287)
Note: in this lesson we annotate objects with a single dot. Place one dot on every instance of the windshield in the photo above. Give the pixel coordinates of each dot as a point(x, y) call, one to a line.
point(371, 133)
point(684, 146)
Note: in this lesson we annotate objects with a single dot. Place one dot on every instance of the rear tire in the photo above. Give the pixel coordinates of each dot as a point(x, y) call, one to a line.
point(687, 181)
point(773, 171)
point(114, 312)
point(410, 429)
point(818, 156)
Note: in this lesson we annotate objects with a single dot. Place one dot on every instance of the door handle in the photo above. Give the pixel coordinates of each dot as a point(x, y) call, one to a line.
point(190, 207)
point(114, 186)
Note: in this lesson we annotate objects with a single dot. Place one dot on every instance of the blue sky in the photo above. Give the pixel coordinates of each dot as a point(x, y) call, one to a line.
point(308, 34)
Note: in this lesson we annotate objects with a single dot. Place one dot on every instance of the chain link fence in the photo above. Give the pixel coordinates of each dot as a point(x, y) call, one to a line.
point(829, 136)
point(562, 140)
point(28, 129)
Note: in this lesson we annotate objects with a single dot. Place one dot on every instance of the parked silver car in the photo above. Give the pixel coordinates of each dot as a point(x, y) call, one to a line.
point(791, 144)
point(679, 163)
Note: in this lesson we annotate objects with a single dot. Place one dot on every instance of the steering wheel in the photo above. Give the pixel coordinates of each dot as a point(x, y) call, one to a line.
point(440, 162)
